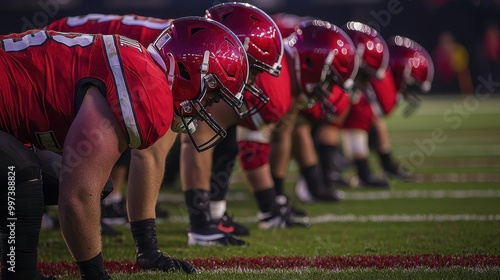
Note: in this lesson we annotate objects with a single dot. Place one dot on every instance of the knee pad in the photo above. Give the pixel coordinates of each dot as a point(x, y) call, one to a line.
point(253, 154)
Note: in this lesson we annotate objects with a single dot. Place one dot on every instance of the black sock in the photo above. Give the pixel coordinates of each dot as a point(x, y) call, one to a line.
point(279, 185)
point(198, 204)
point(363, 169)
point(312, 176)
point(266, 200)
point(93, 269)
point(326, 154)
point(386, 160)
point(144, 233)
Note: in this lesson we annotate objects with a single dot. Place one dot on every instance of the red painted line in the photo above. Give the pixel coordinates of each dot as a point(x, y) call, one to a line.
point(322, 262)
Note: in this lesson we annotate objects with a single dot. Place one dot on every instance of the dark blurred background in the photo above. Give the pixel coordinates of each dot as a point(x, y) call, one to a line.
point(463, 36)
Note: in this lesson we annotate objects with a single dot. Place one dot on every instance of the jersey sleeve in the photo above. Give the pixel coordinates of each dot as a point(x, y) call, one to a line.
point(46, 76)
point(141, 97)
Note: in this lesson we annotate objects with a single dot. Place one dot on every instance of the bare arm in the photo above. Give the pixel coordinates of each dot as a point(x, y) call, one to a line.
point(147, 168)
point(93, 144)
point(281, 144)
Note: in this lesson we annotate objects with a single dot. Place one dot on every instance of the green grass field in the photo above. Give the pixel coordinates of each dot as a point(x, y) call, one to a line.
point(453, 147)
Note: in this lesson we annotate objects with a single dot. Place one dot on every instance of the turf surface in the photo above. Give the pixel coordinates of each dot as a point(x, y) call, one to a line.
point(452, 214)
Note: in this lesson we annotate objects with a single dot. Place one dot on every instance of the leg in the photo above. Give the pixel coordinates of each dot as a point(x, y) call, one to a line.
point(281, 148)
point(224, 157)
point(114, 210)
point(254, 156)
point(22, 185)
point(383, 149)
point(195, 172)
point(356, 148)
point(305, 153)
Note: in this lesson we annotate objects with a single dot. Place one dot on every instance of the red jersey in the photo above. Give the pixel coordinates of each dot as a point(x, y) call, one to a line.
point(279, 91)
point(143, 29)
point(382, 94)
point(46, 74)
point(377, 99)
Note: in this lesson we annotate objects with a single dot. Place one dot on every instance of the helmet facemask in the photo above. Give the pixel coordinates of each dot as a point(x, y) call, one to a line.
point(321, 90)
point(212, 91)
point(204, 62)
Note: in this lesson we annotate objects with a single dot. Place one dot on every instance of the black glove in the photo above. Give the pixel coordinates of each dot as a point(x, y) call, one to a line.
point(156, 260)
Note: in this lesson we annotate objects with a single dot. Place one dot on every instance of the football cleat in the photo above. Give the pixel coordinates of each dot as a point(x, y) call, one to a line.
point(305, 194)
point(228, 225)
point(281, 217)
point(108, 230)
point(49, 223)
point(334, 178)
point(282, 200)
point(114, 213)
point(399, 173)
point(161, 213)
point(371, 182)
point(212, 236)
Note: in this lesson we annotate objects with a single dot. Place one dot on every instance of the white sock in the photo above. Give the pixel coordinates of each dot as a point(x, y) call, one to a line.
point(217, 209)
point(114, 197)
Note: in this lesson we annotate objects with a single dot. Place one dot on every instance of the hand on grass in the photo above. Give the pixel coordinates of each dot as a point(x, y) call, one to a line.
point(157, 260)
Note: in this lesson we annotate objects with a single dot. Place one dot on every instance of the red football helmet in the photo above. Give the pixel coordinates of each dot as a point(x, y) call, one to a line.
point(204, 62)
point(412, 67)
point(288, 23)
point(324, 54)
point(372, 48)
point(262, 41)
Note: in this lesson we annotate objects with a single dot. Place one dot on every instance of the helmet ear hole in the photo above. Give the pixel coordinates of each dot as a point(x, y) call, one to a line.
point(196, 29)
point(255, 18)
point(183, 72)
point(309, 63)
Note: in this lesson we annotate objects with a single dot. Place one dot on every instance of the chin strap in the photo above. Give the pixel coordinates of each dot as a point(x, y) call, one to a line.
point(171, 69)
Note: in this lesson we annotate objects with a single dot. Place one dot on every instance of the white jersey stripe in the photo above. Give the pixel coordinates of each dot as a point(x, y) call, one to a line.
point(122, 90)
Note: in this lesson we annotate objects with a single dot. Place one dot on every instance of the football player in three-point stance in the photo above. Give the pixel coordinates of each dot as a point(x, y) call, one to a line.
point(375, 96)
point(330, 109)
point(113, 94)
point(149, 165)
point(268, 93)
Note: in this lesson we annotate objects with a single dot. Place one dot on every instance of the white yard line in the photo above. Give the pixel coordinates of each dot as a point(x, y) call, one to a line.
point(371, 195)
point(395, 218)
point(375, 195)
point(403, 218)
point(411, 194)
